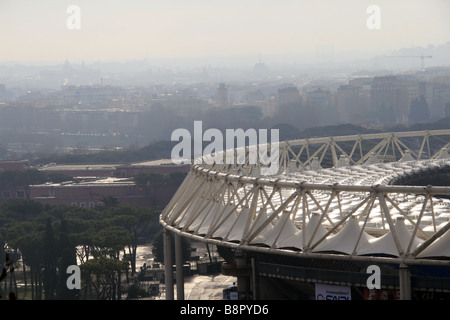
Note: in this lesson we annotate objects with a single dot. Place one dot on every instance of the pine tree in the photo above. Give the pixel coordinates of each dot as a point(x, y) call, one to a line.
point(67, 257)
point(50, 258)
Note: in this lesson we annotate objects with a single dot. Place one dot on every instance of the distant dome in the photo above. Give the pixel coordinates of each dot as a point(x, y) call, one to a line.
point(260, 68)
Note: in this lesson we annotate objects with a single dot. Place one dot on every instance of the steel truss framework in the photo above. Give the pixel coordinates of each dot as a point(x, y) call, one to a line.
point(331, 198)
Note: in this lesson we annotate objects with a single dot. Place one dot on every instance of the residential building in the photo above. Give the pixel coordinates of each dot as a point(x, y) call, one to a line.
point(222, 96)
point(90, 193)
point(13, 165)
point(163, 166)
point(92, 184)
point(437, 95)
point(385, 99)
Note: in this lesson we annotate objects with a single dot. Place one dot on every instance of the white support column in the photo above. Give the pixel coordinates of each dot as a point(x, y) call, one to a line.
point(168, 265)
point(179, 267)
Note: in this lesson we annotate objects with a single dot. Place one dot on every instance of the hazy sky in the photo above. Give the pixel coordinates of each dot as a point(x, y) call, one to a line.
point(137, 29)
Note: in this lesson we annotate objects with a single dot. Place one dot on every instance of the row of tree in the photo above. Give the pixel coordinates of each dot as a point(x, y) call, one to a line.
point(43, 241)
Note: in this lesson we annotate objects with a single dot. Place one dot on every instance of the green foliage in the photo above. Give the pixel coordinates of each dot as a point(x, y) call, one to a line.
point(21, 210)
point(158, 248)
point(297, 123)
point(110, 201)
point(103, 266)
point(135, 291)
point(112, 239)
point(102, 274)
point(443, 123)
point(51, 238)
point(157, 150)
point(335, 130)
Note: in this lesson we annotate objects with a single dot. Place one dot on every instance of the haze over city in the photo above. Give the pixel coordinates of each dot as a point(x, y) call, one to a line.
point(202, 32)
point(169, 63)
point(95, 94)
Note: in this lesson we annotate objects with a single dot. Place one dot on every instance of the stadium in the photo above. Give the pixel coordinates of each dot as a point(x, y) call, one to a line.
point(337, 209)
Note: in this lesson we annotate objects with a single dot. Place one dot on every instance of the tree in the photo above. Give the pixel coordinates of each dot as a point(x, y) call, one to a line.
point(111, 240)
point(103, 275)
point(158, 248)
point(8, 266)
point(31, 246)
point(50, 261)
point(22, 210)
point(67, 257)
point(136, 221)
point(110, 201)
point(50, 238)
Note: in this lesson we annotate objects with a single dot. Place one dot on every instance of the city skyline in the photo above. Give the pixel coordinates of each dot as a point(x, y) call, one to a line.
point(202, 31)
point(128, 127)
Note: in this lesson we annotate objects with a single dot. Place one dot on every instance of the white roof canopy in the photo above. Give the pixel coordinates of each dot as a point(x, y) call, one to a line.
point(385, 245)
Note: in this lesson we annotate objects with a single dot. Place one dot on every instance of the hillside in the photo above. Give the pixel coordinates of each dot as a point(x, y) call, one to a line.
point(162, 149)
